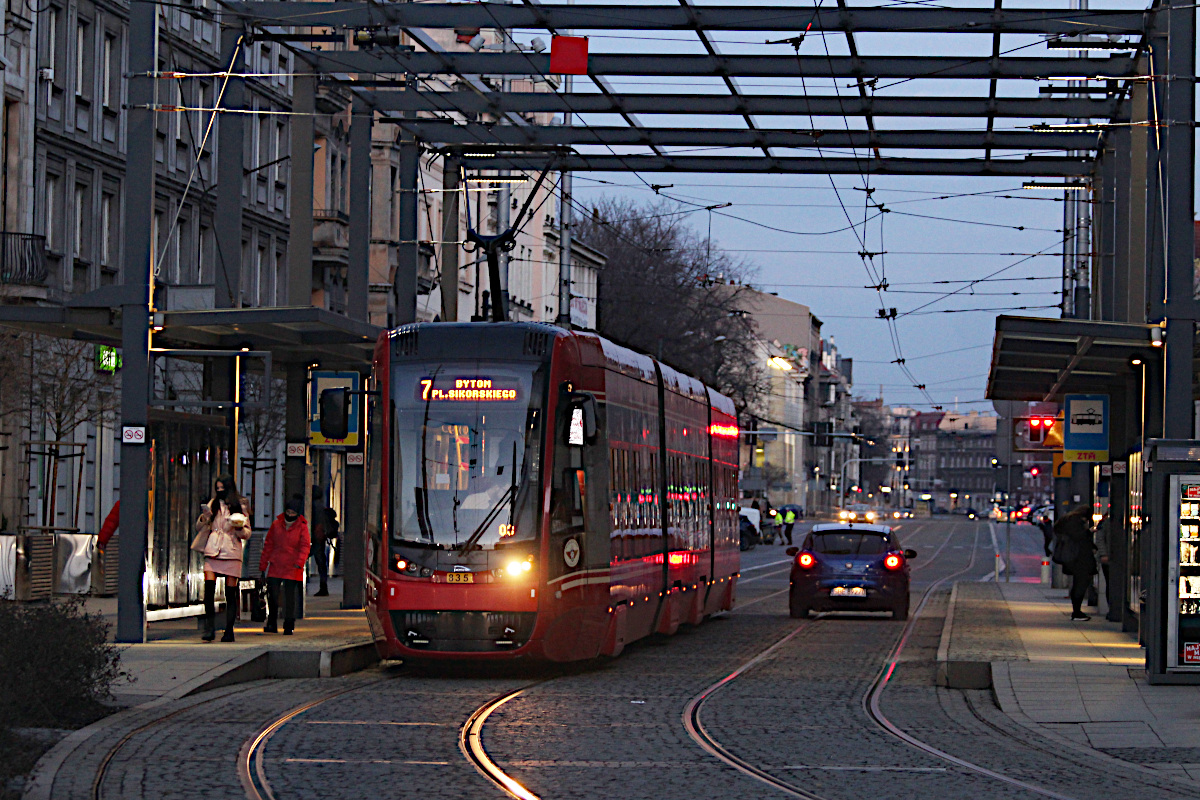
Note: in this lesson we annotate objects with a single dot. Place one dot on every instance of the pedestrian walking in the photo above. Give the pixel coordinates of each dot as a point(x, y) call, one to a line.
point(222, 529)
point(1047, 527)
point(320, 547)
point(1074, 549)
point(332, 531)
point(284, 553)
point(789, 522)
point(1103, 550)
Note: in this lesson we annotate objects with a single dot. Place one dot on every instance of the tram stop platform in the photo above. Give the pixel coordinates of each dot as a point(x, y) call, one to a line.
point(1080, 684)
point(174, 662)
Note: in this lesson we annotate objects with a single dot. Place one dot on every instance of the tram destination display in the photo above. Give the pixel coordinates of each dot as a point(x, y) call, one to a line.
point(468, 390)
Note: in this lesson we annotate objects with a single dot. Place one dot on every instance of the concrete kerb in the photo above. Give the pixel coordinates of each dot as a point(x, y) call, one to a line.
point(252, 666)
point(1006, 700)
point(957, 673)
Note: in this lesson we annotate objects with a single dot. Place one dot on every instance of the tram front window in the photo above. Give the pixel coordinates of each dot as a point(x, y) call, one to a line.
point(466, 438)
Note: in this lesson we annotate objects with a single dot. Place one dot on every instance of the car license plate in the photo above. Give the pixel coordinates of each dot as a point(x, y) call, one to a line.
point(460, 577)
point(847, 591)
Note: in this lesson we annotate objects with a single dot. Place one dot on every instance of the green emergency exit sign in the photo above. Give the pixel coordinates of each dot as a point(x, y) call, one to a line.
point(107, 359)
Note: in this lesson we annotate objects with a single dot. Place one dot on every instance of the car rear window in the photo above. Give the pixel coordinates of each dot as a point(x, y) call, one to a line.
point(849, 544)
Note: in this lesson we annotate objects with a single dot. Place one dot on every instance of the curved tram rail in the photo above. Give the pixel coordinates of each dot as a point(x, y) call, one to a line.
point(254, 780)
point(870, 703)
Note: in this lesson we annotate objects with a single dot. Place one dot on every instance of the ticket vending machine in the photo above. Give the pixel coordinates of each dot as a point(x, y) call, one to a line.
point(1171, 562)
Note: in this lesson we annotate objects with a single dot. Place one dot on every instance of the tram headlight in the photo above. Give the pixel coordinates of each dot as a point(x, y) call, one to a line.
point(515, 568)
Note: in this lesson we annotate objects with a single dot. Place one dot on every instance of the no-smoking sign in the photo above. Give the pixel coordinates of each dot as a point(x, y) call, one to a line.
point(133, 434)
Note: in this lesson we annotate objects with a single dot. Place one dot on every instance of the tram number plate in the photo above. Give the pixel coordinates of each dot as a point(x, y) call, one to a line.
point(460, 577)
point(847, 591)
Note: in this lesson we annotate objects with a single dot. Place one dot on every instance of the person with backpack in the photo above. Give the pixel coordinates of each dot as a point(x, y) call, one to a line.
point(1074, 550)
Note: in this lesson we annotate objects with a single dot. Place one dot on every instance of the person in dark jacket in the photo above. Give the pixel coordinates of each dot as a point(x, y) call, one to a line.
point(1075, 549)
point(284, 553)
point(320, 545)
point(1047, 526)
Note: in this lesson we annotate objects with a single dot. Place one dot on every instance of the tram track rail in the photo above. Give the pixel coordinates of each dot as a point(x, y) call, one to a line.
point(871, 704)
point(253, 775)
point(251, 756)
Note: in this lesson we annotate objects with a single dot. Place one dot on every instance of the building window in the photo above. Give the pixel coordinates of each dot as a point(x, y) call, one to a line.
point(106, 226)
point(54, 54)
point(52, 202)
point(80, 210)
point(83, 71)
point(106, 70)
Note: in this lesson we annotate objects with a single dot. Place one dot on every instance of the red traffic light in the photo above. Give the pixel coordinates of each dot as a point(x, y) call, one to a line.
point(1036, 422)
point(1033, 472)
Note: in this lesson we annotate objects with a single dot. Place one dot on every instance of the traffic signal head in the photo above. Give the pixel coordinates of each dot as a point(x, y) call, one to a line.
point(1039, 427)
point(1033, 472)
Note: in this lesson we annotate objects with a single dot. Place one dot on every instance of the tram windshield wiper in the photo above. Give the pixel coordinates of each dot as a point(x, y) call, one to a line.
point(477, 534)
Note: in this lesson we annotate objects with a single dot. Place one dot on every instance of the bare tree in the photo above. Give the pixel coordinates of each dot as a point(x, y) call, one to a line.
point(65, 393)
point(262, 426)
point(667, 291)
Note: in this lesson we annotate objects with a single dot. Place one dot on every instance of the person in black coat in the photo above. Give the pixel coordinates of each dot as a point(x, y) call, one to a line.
point(1074, 549)
point(1047, 526)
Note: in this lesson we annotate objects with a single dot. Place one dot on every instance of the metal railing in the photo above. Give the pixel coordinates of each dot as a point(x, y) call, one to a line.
point(331, 214)
point(22, 259)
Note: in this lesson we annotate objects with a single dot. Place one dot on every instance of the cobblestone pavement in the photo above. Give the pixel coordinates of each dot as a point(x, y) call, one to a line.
point(615, 730)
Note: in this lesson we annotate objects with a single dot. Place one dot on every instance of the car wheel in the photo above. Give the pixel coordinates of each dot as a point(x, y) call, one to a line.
point(901, 610)
point(797, 609)
point(744, 545)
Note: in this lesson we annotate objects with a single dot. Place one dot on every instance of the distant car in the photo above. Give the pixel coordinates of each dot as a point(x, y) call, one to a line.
point(850, 567)
point(749, 522)
point(747, 532)
point(859, 512)
point(899, 513)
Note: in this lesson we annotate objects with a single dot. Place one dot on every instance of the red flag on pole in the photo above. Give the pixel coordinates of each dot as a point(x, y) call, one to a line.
point(568, 55)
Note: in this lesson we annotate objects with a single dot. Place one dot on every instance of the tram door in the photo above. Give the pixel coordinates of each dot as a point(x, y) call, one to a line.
point(579, 489)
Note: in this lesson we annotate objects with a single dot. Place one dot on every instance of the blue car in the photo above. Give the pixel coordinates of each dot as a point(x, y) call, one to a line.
point(850, 567)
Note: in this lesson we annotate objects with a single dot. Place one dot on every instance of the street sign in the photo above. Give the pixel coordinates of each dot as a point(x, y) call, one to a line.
point(133, 434)
point(355, 459)
point(319, 382)
point(1085, 428)
point(296, 449)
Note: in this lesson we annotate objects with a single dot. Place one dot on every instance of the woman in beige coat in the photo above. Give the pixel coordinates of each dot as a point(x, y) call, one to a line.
point(226, 520)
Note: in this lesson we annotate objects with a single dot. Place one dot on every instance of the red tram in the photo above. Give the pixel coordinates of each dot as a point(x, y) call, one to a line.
point(538, 493)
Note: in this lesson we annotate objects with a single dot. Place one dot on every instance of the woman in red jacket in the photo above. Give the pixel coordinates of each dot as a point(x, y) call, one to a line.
point(284, 554)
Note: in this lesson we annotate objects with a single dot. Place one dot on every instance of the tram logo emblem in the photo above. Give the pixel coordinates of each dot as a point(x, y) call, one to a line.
point(571, 553)
point(461, 568)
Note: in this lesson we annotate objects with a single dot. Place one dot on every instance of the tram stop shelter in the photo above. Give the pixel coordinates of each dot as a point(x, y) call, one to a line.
point(989, 122)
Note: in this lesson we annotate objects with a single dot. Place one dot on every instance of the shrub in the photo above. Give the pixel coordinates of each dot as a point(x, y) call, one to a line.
point(57, 666)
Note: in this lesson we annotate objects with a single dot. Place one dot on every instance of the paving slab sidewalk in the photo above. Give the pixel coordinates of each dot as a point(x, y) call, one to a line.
point(174, 664)
point(1080, 683)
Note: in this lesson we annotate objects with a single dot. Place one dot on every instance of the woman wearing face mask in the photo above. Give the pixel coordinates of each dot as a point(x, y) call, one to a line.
point(225, 520)
point(284, 553)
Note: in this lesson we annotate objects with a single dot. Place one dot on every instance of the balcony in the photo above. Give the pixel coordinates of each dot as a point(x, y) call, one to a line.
point(331, 228)
point(22, 259)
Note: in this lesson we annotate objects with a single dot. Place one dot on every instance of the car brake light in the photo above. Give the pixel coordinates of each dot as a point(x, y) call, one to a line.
point(806, 560)
point(893, 561)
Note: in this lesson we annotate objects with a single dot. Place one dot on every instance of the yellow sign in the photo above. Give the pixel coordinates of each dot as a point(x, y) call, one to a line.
point(1062, 469)
point(1088, 456)
point(1054, 434)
